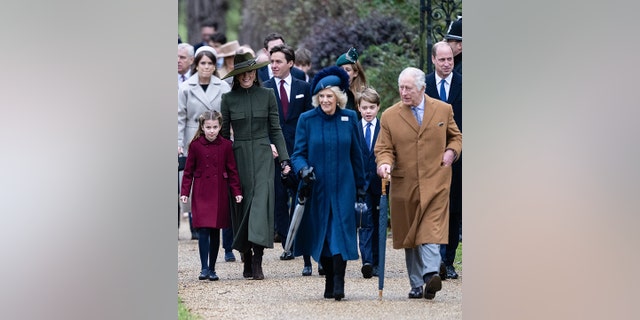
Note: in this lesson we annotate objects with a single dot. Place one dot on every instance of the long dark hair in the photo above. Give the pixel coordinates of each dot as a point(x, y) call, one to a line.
point(199, 56)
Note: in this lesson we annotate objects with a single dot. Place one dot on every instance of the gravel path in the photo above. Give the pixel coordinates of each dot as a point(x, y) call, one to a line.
point(286, 294)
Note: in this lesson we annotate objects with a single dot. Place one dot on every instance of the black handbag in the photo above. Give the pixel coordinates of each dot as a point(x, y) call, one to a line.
point(182, 161)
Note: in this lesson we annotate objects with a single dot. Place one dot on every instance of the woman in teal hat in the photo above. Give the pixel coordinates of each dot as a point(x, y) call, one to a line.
point(357, 80)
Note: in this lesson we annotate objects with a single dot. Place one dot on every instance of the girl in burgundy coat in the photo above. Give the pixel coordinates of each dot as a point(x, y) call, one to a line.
point(211, 171)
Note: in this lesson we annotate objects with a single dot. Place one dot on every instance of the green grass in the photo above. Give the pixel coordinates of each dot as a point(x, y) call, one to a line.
point(458, 260)
point(183, 312)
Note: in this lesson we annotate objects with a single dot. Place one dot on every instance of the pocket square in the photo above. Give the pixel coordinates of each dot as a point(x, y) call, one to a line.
point(299, 96)
point(440, 124)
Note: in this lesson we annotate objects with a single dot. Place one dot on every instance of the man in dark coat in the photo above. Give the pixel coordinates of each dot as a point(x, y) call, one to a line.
point(442, 57)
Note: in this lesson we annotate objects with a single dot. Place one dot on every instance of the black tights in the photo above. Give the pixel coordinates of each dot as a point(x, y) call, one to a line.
point(208, 244)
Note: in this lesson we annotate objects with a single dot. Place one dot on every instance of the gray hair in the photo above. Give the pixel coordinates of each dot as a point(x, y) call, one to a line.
point(417, 75)
point(341, 97)
point(188, 47)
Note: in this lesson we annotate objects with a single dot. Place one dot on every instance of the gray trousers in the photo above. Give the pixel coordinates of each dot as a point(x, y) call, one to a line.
point(421, 260)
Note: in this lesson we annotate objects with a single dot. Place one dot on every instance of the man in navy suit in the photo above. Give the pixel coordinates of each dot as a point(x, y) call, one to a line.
point(368, 104)
point(446, 85)
point(293, 97)
point(265, 73)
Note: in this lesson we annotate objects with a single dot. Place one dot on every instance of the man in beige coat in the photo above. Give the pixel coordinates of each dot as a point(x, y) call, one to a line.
point(417, 143)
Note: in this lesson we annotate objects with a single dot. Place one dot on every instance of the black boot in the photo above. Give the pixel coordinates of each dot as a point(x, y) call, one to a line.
point(257, 263)
point(248, 270)
point(339, 268)
point(328, 281)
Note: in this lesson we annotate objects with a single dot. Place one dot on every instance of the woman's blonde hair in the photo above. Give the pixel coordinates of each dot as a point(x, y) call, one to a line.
point(341, 97)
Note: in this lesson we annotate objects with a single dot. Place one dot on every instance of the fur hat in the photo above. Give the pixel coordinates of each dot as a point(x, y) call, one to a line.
point(330, 77)
point(350, 57)
point(455, 30)
point(244, 62)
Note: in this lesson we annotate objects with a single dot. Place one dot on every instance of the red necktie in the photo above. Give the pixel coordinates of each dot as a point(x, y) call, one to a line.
point(284, 100)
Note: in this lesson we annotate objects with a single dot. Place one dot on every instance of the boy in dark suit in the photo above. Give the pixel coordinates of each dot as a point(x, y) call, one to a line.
point(368, 103)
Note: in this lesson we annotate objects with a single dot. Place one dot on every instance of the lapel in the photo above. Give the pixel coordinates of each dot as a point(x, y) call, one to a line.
point(376, 130)
point(197, 91)
point(429, 112)
point(454, 88)
point(431, 90)
point(407, 115)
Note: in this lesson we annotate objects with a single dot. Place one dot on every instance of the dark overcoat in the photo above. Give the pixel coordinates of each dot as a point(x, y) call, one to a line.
point(455, 100)
point(253, 114)
point(211, 169)
point(419, 193)
point(332, 145)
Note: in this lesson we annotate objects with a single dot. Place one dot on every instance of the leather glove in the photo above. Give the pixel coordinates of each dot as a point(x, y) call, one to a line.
point(361, 204)
point(284, 163)
point(307, 175)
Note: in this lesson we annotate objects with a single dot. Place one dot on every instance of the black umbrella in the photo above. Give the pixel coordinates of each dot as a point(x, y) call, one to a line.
point(303, 195)
point(382, 235)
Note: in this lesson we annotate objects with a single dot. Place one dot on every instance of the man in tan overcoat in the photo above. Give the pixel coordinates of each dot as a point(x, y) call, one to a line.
point(417, 143)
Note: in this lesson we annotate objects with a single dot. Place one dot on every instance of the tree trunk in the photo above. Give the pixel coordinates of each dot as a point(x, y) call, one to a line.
point(199, 11)
point(252, 30)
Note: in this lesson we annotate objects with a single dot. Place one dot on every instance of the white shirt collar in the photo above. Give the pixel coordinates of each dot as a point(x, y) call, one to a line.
point(373, 122)
point(287, 80)
point(447, 79)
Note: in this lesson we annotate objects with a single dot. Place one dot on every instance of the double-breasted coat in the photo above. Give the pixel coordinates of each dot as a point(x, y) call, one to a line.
point(211, 169)
point(193, 101)
point(253, 114)
point(419, 193)
point(332, 145)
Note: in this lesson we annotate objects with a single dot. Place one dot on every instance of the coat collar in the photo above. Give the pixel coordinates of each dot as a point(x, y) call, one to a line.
point(213, 90)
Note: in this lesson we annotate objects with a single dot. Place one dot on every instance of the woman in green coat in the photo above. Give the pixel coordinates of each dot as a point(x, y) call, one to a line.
point(250, 113)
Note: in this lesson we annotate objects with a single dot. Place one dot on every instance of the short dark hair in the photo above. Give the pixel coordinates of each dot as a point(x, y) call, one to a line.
point(272, 36)
point(209, 23)
point(303, 56)
point(288, 52)
point(218, 37)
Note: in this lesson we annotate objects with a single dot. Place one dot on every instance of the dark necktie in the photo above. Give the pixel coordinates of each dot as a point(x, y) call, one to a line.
point(367, 134)
point(284, 100)
point(183, 77)
point(443, 91)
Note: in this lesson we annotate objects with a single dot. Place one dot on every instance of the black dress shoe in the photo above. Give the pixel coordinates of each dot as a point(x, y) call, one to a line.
point(307, 271)
point(204, 274)
point(374, 272)
point(321, 270)
point(213, 276)
point(432, 285)
point(287, 255)
point(451, 272)
point(415, 293)
point(443, 271)
point(367, 271)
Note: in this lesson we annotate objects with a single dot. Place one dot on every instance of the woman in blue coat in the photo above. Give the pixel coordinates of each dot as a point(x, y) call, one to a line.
point(328, 147)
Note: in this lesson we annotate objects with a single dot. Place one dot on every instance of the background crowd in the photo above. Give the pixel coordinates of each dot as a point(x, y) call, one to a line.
point(326, 135)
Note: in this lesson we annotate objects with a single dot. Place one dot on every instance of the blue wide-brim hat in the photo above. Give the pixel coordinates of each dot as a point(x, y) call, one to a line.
point(332, 76)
